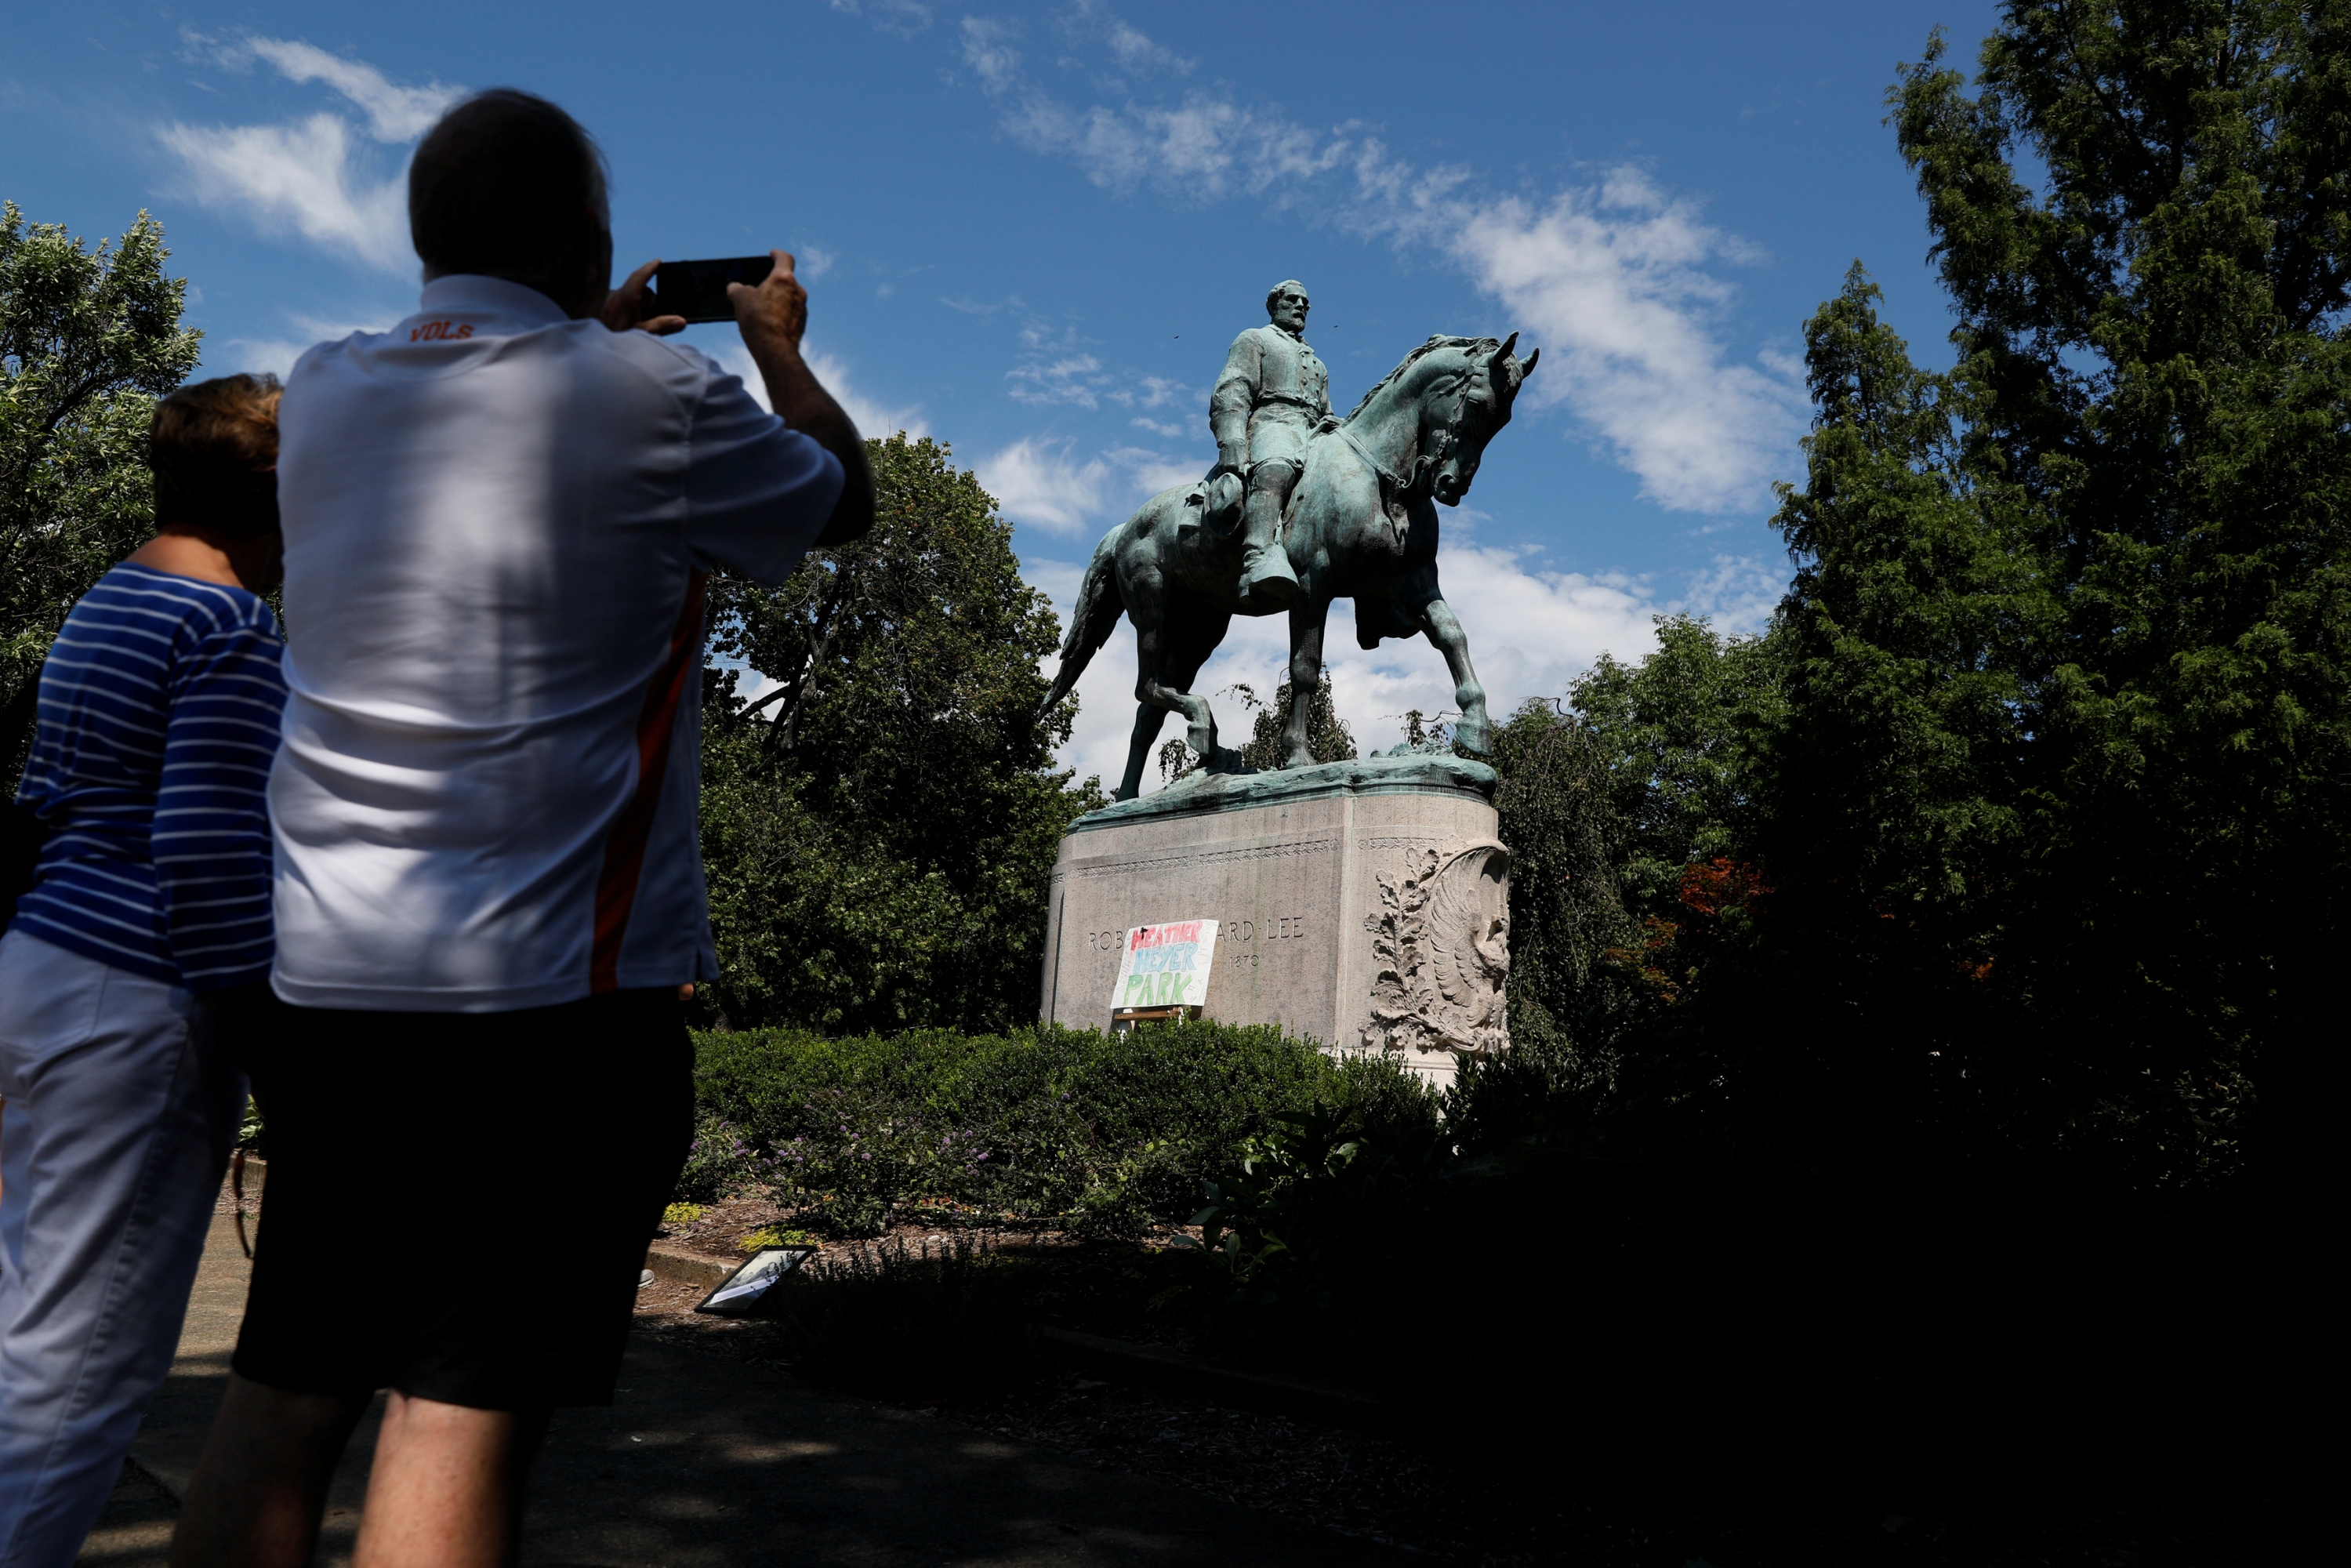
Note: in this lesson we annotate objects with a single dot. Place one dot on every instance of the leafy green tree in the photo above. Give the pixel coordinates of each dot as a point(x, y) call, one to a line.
point(88, 340)
point(1328, 739)
point(1569, 928)
point(1682, 733)
point(879, 829)
point(1625, 808)
point(2064, 794)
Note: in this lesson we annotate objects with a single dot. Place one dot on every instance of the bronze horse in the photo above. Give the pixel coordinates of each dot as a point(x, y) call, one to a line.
point(1362, 525)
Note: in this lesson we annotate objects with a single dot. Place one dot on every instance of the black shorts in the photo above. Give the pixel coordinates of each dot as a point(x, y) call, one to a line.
point(458, 1203)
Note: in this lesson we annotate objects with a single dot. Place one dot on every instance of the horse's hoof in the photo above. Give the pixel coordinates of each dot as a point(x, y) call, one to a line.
point(1476, 737)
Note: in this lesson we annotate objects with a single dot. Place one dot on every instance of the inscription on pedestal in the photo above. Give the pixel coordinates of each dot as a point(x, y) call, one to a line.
point(1299, 883)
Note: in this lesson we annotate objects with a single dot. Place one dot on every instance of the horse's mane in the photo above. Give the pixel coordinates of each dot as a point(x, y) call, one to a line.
point(1439, 342)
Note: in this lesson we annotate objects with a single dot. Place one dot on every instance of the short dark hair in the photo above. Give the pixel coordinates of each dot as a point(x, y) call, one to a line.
point(213, 449)
point(510, 186)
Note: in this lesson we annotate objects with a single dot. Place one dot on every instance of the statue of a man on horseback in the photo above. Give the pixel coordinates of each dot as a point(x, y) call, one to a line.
point(1273, 397)
point(1328, 509)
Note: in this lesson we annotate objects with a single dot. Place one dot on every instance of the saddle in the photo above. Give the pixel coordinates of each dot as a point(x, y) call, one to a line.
point(1215, 503)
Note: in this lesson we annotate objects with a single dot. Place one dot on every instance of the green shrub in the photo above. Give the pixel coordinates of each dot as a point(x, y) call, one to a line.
point(1100, 1131)
point(723, 1160)
point(768, 1236)
point(1318, 1220)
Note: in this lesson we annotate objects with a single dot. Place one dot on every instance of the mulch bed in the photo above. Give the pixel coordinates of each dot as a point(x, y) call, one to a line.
point(1440, 1492)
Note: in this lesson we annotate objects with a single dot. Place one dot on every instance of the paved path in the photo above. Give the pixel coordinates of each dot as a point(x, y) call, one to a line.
point(705, 1461)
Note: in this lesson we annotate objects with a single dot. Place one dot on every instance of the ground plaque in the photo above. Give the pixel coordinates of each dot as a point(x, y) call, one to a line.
point(1364, 905)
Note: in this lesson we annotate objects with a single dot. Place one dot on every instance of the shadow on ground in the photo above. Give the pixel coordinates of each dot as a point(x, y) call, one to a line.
point(703, 1459)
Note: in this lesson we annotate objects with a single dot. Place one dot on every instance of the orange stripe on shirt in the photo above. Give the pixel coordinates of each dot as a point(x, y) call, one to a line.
point(624, 851)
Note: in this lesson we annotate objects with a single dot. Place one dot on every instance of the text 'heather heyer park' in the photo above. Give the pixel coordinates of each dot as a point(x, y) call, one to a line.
point(1165, 966)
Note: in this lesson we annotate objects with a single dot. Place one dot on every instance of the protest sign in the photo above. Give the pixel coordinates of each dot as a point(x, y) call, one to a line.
point(1165, 966)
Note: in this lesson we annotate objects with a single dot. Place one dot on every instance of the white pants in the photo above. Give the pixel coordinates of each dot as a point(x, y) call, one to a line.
point(117, 1122)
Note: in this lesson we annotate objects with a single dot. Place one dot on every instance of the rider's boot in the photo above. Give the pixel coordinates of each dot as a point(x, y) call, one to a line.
point(1266, 580)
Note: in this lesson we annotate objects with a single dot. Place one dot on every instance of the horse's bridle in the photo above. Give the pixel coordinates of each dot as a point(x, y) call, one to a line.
point(1440, 445)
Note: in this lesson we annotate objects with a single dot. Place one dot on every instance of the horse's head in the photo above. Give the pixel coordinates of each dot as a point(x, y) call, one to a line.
point(1488, 383)
point(1430, 418)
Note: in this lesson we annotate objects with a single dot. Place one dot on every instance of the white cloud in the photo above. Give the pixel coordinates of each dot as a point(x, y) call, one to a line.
point(395, 113)
point(1531, 632)
point(1054, 368)
point(1158, 392)
point(872, 418)
point(751, 685)
point(1137, 51)
point(1039, 481)
point(813, 261)
point(1738, 593)
point(1613, 281)
point(308, 176)
point(904, 18)
point(988, 50)
point(1036, 481)
point(298, 177)
point(1623, 282)
point(257, 356)
point(1066, 378)
point(1130, 47)
point(1149, 472)
point(276, 355)
point(1204, 149)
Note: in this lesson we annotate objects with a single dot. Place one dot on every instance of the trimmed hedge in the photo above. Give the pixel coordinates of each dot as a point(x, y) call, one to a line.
point(1102, 1132)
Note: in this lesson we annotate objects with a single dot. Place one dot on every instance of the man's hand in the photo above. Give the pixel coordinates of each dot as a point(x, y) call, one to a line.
point(624, 308)
point(775, 311)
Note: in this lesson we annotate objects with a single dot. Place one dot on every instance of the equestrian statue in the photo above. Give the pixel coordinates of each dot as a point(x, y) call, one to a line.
point(1301, 508)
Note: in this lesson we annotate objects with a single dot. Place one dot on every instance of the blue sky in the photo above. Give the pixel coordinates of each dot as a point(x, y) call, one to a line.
point(1030, 231)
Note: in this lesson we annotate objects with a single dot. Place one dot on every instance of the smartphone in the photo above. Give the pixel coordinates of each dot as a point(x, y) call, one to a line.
point(697, 289)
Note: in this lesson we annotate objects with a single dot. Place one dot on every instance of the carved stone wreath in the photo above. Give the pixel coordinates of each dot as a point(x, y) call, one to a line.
point(1442, 940)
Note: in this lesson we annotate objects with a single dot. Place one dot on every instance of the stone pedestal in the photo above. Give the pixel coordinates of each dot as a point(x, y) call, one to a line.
point(1364, 905)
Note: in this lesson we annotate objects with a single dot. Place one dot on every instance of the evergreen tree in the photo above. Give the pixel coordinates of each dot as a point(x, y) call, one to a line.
point(2062, 803)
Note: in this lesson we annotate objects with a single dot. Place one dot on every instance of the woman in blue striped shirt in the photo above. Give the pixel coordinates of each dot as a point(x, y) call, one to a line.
point(158, 720)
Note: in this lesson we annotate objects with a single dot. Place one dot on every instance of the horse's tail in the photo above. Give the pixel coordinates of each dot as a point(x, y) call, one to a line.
point(1091, 623)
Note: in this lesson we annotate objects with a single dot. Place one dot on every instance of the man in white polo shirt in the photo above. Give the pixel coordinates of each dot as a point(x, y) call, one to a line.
point(498, 519)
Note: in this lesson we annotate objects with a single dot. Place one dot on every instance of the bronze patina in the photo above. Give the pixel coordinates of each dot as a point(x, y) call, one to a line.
point(1320, 507)
point(1273, 398)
